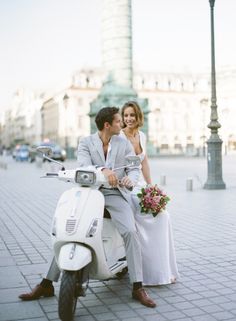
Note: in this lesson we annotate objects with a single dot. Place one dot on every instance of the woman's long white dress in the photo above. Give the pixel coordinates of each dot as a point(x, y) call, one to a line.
point(156, 238)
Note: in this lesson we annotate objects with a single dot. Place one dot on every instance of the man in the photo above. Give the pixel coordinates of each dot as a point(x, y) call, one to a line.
point(107, 150)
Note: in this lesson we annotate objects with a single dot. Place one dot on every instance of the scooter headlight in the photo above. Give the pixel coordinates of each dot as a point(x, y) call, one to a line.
point(93, 228)
point(85, 178)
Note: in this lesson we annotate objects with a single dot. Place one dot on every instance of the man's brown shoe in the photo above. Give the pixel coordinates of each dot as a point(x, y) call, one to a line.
point(142, 296)
point(37, 292)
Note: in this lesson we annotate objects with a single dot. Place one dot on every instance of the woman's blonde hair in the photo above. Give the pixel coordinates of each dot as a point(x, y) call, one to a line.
point(137, 110)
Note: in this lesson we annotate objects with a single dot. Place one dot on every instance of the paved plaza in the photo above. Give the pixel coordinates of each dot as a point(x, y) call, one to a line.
point(204, 224)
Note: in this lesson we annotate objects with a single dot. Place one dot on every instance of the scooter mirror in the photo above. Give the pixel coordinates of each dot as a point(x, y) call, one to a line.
point(133, 160)
point(45, 150)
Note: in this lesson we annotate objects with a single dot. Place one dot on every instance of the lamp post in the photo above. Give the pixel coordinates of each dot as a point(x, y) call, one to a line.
point(214, 143)
point(65, 103)
point(203, 105)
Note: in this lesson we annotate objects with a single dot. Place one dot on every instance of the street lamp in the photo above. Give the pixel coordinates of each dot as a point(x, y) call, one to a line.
point(203, 105)
point(65, 103)
point(214, 143)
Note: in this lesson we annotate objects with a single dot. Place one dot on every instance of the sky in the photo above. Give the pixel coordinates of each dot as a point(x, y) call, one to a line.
point(44, 42)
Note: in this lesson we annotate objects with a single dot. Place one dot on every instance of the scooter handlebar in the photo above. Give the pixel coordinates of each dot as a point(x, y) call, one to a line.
point(69, 176)
point(48, 175)
point(51, 174)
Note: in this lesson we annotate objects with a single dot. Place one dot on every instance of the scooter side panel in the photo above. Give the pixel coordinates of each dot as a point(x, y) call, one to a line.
point(112, 241)
point(107, 250)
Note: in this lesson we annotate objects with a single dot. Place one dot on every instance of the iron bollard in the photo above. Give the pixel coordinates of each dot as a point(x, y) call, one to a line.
point(39, 162)
point(163, 180)
point(189, 184)
point(3, 165)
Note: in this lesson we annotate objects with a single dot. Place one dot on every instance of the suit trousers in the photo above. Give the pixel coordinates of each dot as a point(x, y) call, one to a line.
point(123, 217)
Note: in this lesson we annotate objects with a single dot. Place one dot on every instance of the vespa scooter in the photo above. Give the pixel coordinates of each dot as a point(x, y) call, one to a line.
point(84, 241)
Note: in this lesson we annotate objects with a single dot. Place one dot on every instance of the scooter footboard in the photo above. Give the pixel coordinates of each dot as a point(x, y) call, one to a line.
point(73, 257)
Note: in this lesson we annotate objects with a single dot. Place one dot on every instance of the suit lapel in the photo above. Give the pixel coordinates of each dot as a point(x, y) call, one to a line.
point(98, 147)
point(112, 156)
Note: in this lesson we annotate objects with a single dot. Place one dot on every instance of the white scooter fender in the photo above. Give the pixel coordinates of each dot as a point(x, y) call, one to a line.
point(73, 257)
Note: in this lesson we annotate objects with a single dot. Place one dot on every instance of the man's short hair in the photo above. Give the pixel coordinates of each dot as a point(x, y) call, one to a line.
point(104, 115)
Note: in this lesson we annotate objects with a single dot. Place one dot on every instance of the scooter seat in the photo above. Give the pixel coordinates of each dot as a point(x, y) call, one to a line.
point(106, 214)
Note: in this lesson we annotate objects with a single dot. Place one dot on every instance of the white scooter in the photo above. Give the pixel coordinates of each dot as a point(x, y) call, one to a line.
point(84, 241)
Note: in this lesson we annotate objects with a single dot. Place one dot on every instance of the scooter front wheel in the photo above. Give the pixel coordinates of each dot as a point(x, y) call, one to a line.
point(67, 296)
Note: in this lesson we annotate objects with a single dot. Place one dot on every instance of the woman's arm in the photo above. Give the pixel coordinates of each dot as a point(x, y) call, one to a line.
point(146, 170)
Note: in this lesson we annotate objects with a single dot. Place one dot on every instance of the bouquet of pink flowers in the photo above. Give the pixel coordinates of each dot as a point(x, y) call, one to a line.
point(152, 200)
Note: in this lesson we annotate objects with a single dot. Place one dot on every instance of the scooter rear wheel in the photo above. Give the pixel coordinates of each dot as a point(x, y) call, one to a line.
point(67, 296)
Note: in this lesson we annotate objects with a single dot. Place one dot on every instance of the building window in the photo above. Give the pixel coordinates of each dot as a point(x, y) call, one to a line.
point(164, 146)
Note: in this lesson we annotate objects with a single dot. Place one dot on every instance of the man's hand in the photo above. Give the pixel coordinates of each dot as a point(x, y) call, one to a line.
point(111, 177)
point(126, 182)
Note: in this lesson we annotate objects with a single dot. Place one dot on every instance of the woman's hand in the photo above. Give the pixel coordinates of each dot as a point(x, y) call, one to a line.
point(126, 182)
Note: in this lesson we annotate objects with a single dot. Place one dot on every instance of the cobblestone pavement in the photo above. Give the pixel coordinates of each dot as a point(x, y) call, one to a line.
point(205, 237)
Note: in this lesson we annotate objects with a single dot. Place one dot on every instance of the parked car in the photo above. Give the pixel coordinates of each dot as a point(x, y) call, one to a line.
point(58, 153)
point(21, 153)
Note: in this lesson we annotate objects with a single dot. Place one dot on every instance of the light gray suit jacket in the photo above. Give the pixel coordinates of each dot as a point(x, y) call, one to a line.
point(90, 152)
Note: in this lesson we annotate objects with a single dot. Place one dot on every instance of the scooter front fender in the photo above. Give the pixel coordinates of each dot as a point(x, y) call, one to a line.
point(73, 257)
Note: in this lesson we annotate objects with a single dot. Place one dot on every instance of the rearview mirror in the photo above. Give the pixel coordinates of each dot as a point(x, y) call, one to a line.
point(133, 160)
point(45, 150)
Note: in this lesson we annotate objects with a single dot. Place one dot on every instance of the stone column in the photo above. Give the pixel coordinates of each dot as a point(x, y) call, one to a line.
point(117, 40)
point(117, 60)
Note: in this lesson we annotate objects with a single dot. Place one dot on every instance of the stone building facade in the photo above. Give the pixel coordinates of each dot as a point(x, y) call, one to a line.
point(179, 111)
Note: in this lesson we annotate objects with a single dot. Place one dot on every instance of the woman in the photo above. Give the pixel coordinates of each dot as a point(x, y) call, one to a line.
point(156, 238)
